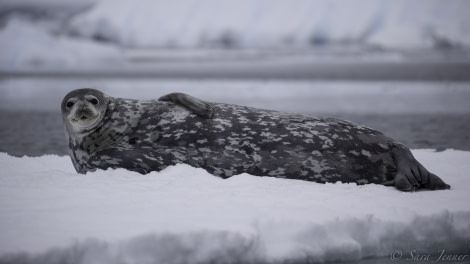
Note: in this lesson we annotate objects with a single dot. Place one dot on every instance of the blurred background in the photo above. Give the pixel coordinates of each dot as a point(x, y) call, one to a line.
point(400, 66)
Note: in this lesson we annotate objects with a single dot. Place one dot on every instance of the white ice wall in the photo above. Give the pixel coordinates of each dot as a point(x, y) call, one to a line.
point(268, 23)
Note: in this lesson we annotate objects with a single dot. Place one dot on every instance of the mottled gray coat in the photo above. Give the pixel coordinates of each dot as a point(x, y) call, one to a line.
point(146, 136)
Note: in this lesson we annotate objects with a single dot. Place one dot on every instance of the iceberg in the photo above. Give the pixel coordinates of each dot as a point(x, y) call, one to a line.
point(276, 23)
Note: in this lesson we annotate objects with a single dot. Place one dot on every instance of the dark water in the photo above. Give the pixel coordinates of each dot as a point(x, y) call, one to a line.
point(32, 133)
point(35, 133)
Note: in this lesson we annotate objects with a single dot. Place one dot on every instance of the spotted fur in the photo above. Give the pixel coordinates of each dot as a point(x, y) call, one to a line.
point(227, 139)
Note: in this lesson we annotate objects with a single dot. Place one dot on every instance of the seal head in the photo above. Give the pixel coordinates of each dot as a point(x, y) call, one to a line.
point(83, 110)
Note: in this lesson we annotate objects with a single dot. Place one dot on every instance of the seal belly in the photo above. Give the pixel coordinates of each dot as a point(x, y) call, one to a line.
point(268, 143)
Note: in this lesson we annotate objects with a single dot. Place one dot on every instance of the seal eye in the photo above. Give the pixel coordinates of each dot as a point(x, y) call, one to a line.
point(69, 104)
point(94, 101)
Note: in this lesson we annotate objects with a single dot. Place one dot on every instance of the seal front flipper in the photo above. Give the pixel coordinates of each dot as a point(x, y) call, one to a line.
point(193, 104)
point(411, 175)
point(133, 159)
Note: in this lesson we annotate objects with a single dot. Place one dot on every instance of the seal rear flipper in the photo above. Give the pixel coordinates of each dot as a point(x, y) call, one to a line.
point(411, 175)
point(193, 104)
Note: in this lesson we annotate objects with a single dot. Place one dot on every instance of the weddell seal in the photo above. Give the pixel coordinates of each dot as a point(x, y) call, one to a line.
point(143, 136)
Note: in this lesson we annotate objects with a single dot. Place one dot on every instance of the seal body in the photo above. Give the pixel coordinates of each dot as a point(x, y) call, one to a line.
point(226, 139)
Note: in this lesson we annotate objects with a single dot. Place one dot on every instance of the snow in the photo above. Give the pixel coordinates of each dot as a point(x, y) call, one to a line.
point(49, 214)
point(276, 23)
point(29, 44)
point(260, 28)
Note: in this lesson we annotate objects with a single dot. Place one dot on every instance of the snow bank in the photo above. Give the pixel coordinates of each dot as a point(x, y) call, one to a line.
point(49, 214)
point(93, 36)
point(277, 23)
point(27, 44)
